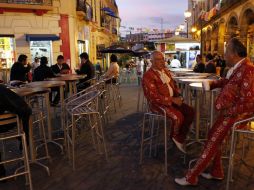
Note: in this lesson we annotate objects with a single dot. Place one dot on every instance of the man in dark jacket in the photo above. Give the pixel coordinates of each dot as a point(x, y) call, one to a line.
point(210, 65)
point(11, 102)
point(60, 67)
point(20, 69)
point(43, 71)
point(200, 66)
point(87, 69)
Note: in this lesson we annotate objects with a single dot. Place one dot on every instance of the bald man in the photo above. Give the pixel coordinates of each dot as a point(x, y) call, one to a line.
point(161, 92)
point(235, 102)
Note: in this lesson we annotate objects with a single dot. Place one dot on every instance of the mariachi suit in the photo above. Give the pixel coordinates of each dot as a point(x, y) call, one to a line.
point(159, 96)
point(235, 102)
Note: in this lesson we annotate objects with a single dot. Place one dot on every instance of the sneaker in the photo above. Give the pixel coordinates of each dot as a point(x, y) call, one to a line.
point(179, 146)
point(209, 176)
point(183, 182)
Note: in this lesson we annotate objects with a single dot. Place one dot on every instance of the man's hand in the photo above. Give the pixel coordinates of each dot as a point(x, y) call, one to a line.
point(177, 100)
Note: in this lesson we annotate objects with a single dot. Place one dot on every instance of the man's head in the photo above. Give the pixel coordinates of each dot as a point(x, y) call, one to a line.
point(113, 58)
point(36, 60)
point(175, 57)
point(44, 60)
point(209, 57)
point(60, 59)
point(22, 59)
point(199, 58)
point(157, 60)
point(84, 57)
point(235, 51)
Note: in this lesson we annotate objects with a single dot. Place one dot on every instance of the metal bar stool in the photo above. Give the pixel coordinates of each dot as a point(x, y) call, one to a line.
point(85, 106)
point(153, 129)
point(9, 119)
point(236, 131)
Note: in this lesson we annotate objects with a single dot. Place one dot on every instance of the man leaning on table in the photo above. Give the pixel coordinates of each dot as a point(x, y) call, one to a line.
point(161, 92)
point(235, 102)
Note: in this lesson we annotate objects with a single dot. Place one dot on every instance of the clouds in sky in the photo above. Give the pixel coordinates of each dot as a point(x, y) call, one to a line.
point(149, 13)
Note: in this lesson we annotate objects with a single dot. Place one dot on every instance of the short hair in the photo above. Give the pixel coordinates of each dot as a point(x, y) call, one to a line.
point(60, 57)
point(84, 56)
point(238, 48)
point(44, 60)
point(209, 56)
point(22, 58)
point(199, 56)
point(113, 58)
point(36, 59)
point(175, 57)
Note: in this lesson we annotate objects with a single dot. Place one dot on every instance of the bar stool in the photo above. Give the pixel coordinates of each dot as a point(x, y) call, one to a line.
point(236, 131)
point(84, 107)
point(154, 120)
point(7, 119)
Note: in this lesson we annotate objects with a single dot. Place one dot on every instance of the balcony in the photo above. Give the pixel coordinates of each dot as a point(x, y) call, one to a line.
point(26, 4)
point(84, 10)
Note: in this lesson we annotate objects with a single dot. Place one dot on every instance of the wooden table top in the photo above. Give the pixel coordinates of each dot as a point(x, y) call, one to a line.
point(25, 91)
point(67, 77)
point(45, 84)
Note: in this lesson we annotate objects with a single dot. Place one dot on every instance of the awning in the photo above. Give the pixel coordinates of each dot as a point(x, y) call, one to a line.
point(42, 37)
point(7, 36)
point(109, 12)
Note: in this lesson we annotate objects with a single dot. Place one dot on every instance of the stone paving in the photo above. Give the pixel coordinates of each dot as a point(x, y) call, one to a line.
point(123, 171)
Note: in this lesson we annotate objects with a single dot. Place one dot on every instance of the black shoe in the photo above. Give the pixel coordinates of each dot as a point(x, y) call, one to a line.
point(2, 173)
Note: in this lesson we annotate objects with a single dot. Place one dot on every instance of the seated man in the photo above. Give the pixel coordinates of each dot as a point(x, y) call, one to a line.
point(20, 69)
point(86, 68)
point(11, 102)
point(235, 102)
point(161, 91)
point(60, 67)
point(200, 66)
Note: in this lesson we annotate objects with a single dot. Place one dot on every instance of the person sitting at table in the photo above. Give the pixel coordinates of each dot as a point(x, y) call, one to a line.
point(43, 72)
point(11, 102)
point(87, 69)
point(113, 71)
point(210, 66)
point(60, 67)
point(235, 102)
point(200, 66)
point(161, 92)
point(20, 70)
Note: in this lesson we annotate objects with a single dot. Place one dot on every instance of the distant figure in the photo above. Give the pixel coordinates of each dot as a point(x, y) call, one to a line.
point(86, 68)
point(200, 66)
point(98, 68)
point(113, 70)
point(35, 64)
point(175, 63)
point(20, 69)
point(210, 65)
point(43, 71)
point(60, 67)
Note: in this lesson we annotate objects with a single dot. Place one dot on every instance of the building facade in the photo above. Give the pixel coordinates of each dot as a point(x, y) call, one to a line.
point(53, 27)
point(220, 20)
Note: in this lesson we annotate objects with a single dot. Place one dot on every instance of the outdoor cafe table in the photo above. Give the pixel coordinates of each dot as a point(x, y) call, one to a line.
point(198, 87)
point(27, 93)
point(51, 84)
point(183, 83)
point(70, 80)
point(180, 70)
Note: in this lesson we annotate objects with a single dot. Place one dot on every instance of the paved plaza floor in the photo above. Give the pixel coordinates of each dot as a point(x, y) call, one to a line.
point(122, 171)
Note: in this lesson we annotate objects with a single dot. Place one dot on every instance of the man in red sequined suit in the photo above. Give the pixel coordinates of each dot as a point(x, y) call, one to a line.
point(162, 94)
point(235, 102)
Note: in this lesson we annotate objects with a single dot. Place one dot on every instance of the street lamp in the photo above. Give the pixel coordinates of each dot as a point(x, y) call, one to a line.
point(187, 15)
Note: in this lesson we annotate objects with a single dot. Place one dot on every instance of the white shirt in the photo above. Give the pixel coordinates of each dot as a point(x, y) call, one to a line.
point(175, 63)
point(166, 80)
point(231, 70)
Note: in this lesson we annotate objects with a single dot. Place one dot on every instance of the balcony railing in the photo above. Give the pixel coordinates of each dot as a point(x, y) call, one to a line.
point(28, 2)
point(86, 9)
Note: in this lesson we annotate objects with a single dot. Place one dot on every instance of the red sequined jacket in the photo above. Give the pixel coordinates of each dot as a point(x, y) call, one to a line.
point(155, 91)
point(237, 93)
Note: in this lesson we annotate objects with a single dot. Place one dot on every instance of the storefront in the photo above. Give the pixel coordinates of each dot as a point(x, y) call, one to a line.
point(7, 51)
point(41, 45)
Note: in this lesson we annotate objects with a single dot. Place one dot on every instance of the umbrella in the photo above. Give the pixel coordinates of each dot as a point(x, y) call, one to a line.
point(140, 52)
point(116, 49)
